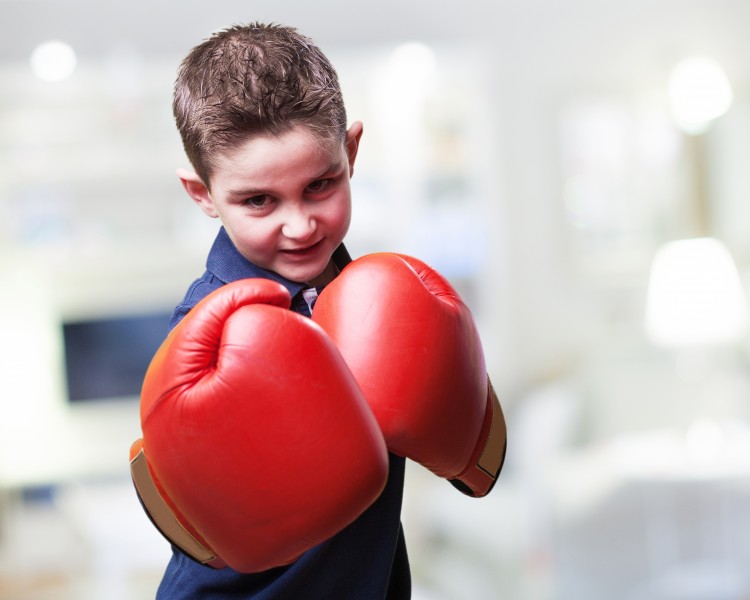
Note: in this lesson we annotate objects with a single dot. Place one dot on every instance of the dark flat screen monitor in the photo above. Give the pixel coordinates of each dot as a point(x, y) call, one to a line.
point(107, 358)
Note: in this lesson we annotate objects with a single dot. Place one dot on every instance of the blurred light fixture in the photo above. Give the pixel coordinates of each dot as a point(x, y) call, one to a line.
point(416, 55)
point(53, 61)
point(413, 65)
point(699, 92)
point(695, 296)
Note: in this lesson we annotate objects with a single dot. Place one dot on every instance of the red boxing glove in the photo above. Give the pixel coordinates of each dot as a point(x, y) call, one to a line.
point(414, 349)
point(257, 442)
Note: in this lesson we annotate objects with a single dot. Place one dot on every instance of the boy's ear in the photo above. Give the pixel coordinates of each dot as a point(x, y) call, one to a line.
point(198, 191)
point(353, 135)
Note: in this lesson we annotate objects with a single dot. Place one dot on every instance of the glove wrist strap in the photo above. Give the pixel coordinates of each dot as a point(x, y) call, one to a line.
point(479, 477)
point(164, 518)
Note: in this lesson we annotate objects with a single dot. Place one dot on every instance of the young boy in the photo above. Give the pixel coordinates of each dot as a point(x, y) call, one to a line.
point(263, 123)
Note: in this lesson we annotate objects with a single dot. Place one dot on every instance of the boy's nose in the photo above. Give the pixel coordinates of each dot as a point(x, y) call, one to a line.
point(299, 224)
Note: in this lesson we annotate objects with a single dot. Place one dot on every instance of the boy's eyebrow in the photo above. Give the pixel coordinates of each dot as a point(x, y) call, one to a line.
point(247, 193)
point(250, 192)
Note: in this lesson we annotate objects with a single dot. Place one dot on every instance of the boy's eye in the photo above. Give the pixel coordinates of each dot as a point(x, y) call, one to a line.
point(257, 201)
point(319, 186)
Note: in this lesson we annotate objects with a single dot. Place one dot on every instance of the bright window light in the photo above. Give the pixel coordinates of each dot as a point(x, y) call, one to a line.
point(699, 92)
point(53, 61)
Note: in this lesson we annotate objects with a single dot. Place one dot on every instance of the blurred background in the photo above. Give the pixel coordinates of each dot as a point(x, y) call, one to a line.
point(579, 171)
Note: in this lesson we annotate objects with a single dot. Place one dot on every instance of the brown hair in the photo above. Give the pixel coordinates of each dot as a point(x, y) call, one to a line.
point(253, 79)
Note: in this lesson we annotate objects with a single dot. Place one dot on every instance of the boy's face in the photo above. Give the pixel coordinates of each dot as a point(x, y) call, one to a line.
point(284, 201)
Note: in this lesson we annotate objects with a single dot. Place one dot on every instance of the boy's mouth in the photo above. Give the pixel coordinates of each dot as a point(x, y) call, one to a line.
point(303, 251)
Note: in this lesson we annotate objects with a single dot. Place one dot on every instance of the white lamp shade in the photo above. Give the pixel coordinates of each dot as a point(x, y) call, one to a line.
point(699, 92)
point(695, 296)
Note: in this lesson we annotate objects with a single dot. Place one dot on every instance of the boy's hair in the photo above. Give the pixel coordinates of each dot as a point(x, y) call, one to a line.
point(253, 79)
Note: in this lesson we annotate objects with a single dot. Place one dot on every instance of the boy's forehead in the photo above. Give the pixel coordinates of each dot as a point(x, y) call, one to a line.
point(296, 138)
point(266, 155)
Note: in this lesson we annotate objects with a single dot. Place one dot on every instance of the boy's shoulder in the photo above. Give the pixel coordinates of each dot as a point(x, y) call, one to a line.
point(199, 289)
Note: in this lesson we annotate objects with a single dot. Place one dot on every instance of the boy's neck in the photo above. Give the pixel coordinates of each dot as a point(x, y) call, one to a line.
point(328, 275)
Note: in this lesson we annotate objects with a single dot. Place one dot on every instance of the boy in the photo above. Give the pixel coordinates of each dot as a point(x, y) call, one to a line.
point(264, 125)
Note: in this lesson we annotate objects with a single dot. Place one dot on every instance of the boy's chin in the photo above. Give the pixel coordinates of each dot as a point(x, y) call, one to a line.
point(299, 275)
point(315, 271)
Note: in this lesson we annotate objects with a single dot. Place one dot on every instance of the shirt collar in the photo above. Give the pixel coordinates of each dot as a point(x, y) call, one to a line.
point(226, 263)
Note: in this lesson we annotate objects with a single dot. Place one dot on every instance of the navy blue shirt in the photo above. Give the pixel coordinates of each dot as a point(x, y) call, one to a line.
point(365, 561)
